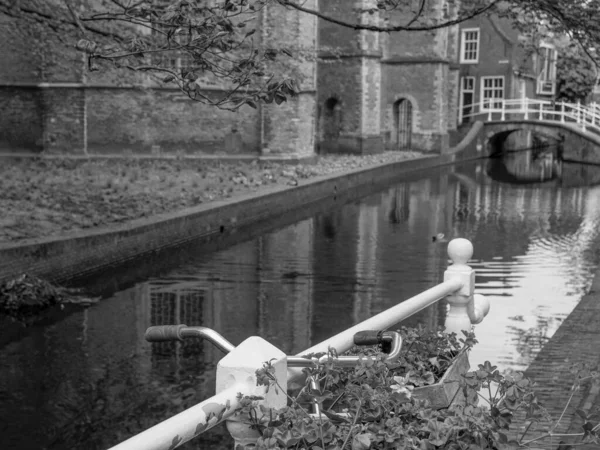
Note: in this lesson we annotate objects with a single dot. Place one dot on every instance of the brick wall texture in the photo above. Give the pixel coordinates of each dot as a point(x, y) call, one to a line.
point(116, 111)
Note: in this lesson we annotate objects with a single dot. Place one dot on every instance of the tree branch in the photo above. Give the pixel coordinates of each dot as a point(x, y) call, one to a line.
point(389, 29)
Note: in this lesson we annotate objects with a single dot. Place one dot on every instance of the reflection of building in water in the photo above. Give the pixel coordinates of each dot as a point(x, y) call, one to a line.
point(334, 268)
point(285, 287)
point(528, 167)
point(399, 209)
point(367, 246)
point(179, 302)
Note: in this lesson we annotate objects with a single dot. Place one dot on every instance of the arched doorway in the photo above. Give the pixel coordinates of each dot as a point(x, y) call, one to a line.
point(332, 119)
point(403, 119)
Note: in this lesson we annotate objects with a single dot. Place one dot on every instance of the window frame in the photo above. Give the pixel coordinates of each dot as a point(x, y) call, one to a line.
point(547, 73)
point(482, 90)
point(463, 45)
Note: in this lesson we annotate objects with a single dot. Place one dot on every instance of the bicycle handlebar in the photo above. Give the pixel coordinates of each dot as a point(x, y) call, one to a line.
point(368, 337)
point(164, 333)
point(391, 342)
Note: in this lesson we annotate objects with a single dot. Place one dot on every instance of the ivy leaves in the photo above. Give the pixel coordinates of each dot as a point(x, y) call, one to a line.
point(371, 406)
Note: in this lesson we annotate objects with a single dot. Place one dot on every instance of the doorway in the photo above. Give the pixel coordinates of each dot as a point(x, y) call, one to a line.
point(403, 112)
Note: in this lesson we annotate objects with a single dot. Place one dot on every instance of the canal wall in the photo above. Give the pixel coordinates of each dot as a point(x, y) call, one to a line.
point(83, 253)
point(577, 340)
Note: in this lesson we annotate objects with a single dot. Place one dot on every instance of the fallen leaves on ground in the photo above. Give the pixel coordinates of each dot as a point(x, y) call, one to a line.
point(53, 197)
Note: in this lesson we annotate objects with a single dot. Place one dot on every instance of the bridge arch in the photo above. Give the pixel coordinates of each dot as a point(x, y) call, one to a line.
point(497, 133)
point(498, 142)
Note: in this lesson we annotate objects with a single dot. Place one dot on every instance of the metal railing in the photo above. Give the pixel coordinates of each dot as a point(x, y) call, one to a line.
point(236, 372)
point(584, 117)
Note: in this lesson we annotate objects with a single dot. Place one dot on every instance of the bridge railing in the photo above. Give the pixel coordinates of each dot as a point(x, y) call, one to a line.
point(236, 372)
point(584, 117)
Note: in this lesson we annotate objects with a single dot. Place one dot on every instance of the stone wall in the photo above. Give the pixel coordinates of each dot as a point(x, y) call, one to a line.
point(36, 51)
point(349, 71)
point(56, 105)
point(22, 124)
point(369, 73)
point(146, 120)
point(289, 129)
point(117, 111)
point(429, 103)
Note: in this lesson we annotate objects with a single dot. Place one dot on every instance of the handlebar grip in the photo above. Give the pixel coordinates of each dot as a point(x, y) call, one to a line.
point(367, 337)
point(163, 333)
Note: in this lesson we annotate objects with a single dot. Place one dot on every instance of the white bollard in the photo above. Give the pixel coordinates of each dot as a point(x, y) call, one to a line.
point(466, 309)
point(239, 367)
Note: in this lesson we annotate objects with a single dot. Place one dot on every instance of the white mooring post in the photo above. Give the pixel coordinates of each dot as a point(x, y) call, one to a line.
point(466, 308)
point(239, 367)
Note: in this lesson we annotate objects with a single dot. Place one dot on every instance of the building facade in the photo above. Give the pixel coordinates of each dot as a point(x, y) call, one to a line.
point(494, 66)
point(385, 90)
point(365, 92)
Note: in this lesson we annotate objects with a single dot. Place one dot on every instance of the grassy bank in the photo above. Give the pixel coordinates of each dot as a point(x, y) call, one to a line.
point(53, 197)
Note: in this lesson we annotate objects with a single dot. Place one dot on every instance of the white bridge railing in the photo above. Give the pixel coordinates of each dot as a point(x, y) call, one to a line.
point(236, 372)
point(584, 117)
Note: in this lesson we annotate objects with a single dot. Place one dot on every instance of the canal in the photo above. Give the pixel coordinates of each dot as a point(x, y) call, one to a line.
point(87, 379)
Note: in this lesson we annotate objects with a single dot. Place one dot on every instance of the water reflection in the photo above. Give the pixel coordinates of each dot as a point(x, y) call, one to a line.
point(526, 167)
point(90, 380)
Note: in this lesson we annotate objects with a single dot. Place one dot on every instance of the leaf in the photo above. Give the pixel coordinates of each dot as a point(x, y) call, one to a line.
point(361, 442)
point(279, 99)
point(504, 420)
point(251, 104)
point(175, 442)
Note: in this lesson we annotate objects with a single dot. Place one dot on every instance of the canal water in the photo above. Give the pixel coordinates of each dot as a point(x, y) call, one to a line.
point(87, 379)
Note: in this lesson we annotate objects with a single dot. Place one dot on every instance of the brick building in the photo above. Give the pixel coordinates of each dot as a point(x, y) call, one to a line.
point(370, 92)
point(494, 66)
point(393, 91)
point(52, 103)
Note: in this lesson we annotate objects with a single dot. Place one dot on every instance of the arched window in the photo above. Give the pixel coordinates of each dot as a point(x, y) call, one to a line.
point(403, 119)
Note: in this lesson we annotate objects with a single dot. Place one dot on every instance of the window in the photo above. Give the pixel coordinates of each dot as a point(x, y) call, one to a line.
point(172, 59)
point(179, 302)
point(546, 82)
point(492, 92)
point(469, 50)
point(467, 97)
point(468, 84)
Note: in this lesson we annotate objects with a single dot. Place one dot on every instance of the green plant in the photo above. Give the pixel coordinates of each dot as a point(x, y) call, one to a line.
point(371, 406)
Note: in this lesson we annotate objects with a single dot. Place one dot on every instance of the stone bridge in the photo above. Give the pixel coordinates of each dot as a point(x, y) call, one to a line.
point(575, 127)
point(576, 144)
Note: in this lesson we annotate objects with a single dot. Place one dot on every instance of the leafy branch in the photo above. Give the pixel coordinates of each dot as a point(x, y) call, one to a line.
point(371, 406)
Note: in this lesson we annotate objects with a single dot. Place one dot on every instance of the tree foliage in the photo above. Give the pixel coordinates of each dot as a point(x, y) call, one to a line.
point(575, 73)
point(195, 44)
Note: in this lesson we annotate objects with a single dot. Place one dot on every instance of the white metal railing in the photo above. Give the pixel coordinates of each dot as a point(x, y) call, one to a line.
point(236, 372)
point(584, 117)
